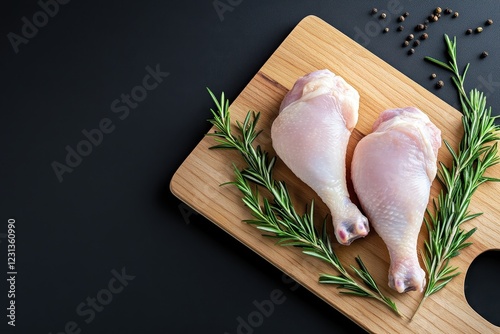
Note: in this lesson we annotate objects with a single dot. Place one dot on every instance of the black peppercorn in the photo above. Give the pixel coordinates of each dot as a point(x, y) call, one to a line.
point(411, 51)
point(405, 14)
point(484, 54)
point(383, 16)
point(406, 43)
point(400, 28)
point(435, 18)
point(433, 76)
point(468, 31)
point(424, 36)
point(455, 14)
point(386, 29)
point(479, 29)
point(410, 37)
point(374, 10)
point(439, 84)
point(401, 18)
point(489, 22)
point(448, 11)
point(438, 10)
point(416, 43)
point(420, 27)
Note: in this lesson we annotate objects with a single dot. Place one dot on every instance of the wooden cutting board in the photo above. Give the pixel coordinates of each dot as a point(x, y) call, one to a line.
point(313, 45)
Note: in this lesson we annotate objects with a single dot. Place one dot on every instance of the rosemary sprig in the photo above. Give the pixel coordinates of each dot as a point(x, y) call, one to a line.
point(277, 218)
point(476, 153)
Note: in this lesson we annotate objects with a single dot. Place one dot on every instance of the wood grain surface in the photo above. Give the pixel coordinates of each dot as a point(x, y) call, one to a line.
point(313, 45)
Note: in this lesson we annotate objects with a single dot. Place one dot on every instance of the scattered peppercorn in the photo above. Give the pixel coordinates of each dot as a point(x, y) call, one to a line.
point(479, 29)
point(406, 14)
point(424, 36)
point(400, 28)
point(383, 15)
point(489, 22)
point(416, 43)
point(438, 15)
point(438, 10)
point(411, 51)
point(455, 15)
point(386, 29)
point(420, 27)
point(448, 11)
point(374, 10)
point(433, 76)
point(469, 31)
point(401, 18)
point(439, 84)
point(406, 43)
point(410, 37)
point(435, 18)
point(484, 54)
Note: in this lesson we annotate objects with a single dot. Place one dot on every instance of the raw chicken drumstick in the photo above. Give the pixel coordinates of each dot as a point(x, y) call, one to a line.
point(310, 135)
point(392, 172)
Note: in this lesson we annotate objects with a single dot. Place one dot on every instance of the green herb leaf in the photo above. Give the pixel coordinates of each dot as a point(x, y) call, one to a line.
point(471, 159)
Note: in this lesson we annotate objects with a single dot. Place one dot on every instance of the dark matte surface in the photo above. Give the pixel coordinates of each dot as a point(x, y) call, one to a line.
point(114, 212)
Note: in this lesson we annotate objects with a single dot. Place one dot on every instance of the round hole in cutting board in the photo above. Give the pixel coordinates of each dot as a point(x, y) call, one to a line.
point(482, 286)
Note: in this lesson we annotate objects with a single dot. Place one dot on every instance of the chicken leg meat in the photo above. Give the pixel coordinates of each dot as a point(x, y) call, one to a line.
point(310, 135)
point(392, 172)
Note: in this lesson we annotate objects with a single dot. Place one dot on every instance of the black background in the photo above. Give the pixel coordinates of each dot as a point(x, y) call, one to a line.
point(115, 209)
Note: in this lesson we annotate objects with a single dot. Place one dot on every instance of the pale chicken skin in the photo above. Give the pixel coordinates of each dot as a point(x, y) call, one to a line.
point(392, 172)
point(311, 134)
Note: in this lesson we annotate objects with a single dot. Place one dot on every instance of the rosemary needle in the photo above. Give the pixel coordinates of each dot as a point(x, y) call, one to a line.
point(476, 153)
point(276, 217)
